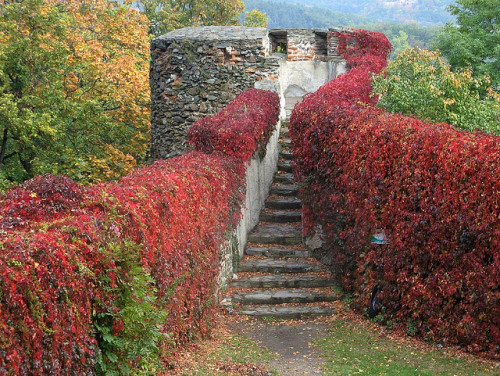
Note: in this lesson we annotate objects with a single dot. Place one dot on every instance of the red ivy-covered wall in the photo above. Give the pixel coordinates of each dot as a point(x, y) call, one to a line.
point(433, 191)
point(65, 248)
point(241, 128)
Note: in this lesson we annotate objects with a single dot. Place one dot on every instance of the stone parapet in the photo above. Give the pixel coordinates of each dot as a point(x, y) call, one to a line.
point(260, 171)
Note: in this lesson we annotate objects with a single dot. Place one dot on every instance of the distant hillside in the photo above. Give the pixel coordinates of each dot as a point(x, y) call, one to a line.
point(282, 15)
point(424, 12)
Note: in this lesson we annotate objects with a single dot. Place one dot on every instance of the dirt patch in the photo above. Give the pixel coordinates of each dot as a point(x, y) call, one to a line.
point(290, 340)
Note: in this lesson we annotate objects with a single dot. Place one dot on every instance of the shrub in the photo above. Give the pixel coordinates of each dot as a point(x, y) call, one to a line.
point(419, 83)
point(432, 190)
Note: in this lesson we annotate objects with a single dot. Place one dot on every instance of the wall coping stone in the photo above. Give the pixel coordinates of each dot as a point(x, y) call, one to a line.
point(215, 33)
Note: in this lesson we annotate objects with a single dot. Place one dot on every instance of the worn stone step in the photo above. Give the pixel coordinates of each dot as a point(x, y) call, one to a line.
point(286, 178)
point(284, 190)
point(276, 252)
point(286, 155)
point(285, 166)
point(285, 312)
point(282, 281)
point(278, 266)
point(282, 296)
point(283, 203)
point(281, 216)
point(276, 234)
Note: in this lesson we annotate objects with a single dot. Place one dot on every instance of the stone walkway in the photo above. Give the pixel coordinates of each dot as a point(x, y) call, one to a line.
point(278, 279)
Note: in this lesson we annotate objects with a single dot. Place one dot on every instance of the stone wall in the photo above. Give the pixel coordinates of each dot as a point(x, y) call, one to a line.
point(333, 46)
point(196, 72)
point(260, 171)
point(306, 45)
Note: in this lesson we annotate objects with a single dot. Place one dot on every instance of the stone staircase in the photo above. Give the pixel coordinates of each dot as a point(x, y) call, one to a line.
point(277, 276)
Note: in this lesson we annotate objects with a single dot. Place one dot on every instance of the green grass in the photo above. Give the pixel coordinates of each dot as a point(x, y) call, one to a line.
point(354, 349)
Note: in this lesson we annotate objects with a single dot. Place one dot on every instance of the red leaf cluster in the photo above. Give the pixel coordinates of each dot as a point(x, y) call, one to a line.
point(57, 270)
point(44, 198)
point(241, 128)
point(432, 190)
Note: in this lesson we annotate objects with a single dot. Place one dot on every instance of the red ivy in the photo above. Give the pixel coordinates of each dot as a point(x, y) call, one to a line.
point(43, 198)
point(57, 241)
point(433, 190)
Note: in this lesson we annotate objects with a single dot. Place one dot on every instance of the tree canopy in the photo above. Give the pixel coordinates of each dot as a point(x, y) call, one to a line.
point(74, 95)
point(167, 15)
point(255, 18)
point(475, 40)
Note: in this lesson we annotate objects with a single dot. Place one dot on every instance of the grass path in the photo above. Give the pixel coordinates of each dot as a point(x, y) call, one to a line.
point(344, 344)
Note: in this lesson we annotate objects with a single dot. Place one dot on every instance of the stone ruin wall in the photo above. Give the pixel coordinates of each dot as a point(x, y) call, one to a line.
point(197, 71)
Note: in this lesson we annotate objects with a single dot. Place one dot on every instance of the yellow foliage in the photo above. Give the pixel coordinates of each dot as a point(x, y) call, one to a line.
point(114, 165)
point(102, 78)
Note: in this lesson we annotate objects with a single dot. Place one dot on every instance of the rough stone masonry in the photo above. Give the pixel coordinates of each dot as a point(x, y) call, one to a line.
point(197, 71)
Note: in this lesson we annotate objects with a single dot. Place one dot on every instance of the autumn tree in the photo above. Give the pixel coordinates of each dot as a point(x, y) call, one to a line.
point(73, 89)
point(475, 40)
point(255, 18)
point(167, 15)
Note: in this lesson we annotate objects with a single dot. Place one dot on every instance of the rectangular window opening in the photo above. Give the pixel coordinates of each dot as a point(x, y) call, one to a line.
point(279, 41)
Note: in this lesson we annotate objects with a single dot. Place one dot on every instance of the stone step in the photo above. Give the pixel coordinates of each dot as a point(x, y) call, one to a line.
point(285, 166)
point(276, 252)
point(282, 296)
point(284, 178)
point(281, 216)
point(282, 281)
point(285, 312)
point(276, 234)
point(283, 203)
point(286, 155)
point(284, 190)
point(278, 266)
point(286, 141)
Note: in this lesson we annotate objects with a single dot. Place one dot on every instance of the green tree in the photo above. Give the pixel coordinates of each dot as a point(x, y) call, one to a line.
point(475, 41)
point(419, 83)
point(400, 43)
point(73, 89)
point(255, 18)
point(167, 15)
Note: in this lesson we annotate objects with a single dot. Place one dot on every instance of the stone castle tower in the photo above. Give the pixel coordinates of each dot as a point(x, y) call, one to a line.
point(197, 71)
